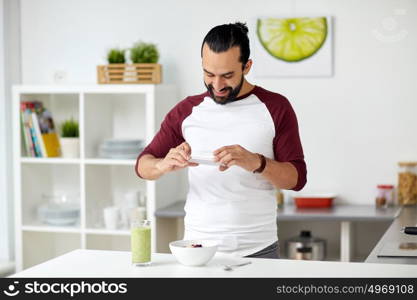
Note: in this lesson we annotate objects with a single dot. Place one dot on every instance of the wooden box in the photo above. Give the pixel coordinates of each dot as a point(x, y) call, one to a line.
point(129, 73)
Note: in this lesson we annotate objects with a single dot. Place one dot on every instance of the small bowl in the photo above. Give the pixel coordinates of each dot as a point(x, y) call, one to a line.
point(190, 256)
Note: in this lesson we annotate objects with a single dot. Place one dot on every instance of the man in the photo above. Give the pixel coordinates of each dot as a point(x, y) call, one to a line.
point(251, 133)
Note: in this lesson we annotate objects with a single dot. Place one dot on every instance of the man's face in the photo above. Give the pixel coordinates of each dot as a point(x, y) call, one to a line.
point(223, 74)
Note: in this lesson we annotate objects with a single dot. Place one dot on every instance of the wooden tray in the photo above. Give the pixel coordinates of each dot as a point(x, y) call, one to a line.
point(125, 73)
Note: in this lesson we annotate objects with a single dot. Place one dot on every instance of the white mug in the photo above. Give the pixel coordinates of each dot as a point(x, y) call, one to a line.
point(111, 217)
point(131, 199)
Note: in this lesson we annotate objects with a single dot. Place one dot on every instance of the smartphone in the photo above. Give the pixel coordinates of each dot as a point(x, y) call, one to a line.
point(203, 160)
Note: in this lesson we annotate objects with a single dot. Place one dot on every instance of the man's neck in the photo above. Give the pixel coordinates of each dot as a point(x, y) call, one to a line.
point(246, 88)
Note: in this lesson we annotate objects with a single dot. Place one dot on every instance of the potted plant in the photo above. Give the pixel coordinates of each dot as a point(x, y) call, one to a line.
point(70, 144)
point(116, 56)
point(118, 70)
point(113, 72)
point(144, 53)
point(143, 68)
point(144, 57)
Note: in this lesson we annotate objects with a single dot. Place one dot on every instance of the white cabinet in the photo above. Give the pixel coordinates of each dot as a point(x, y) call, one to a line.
point(103, 111)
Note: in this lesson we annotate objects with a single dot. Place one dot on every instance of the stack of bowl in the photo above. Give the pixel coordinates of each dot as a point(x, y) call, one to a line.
point(120, 148)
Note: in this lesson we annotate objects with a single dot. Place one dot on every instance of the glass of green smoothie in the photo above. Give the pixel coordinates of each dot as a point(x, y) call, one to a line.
point(140, 239)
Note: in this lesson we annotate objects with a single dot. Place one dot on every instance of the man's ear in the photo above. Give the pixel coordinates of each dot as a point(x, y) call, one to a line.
point(247, 67)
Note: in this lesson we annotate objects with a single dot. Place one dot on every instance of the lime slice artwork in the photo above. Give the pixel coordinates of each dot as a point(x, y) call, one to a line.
point(292, 39)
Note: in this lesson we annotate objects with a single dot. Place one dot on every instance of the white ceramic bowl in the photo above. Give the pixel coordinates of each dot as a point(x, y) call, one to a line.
point(189, 256)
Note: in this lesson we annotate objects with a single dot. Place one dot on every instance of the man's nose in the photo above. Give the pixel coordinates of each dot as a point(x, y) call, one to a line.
point(218, 84)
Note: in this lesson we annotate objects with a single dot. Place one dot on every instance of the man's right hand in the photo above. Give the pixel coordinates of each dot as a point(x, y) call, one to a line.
point(176, 159)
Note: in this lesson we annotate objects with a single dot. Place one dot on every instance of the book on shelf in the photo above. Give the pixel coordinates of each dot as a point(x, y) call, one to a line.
point(49, 134)
point(27, 136)
point(40, 136)
point(32, 145)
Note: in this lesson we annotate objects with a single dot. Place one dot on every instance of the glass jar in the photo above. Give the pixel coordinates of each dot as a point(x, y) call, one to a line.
point(384, 196)
point(280, 198)
point(407, 183)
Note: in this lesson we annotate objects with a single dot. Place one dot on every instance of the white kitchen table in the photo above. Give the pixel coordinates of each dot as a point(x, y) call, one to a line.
point(99, 263)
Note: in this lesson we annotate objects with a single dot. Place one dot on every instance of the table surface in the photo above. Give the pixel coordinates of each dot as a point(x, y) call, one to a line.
point(341, 212)
point(101, 263)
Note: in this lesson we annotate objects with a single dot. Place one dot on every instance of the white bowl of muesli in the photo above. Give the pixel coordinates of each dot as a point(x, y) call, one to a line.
point(193, 252)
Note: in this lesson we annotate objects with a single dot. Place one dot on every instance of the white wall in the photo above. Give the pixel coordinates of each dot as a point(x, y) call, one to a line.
point(9, 74)
point(355, 126)
point(4, 245)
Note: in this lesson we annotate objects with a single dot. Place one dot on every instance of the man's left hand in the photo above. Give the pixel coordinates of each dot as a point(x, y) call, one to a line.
point(236, 155)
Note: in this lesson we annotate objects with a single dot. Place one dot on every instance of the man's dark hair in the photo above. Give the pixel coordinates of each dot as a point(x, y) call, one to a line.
point(223, 37)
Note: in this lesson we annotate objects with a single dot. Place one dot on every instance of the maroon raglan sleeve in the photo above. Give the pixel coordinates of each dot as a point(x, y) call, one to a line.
point(170, 134)
point(287, 143)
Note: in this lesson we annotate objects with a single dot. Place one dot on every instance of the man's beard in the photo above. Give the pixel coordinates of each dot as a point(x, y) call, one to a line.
point(232, 95)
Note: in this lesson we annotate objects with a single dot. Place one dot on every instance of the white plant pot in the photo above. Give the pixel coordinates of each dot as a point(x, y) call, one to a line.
point(70, 147)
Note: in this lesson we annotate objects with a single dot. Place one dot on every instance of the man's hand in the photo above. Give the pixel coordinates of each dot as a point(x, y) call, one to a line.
point(236, 155)
point(177, 158)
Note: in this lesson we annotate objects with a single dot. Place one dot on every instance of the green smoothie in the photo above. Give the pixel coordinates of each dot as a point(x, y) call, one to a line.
point(141, 245)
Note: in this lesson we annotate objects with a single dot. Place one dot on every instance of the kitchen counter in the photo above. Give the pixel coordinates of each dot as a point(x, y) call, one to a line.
point(292, 213)
point(407, 217)
point(99, 263)
point(345, 214)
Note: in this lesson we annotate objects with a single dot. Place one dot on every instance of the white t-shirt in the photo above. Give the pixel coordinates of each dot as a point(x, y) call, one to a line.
point(235, 207)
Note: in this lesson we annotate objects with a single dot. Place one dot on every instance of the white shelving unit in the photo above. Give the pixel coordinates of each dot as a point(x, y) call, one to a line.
point(103, 111)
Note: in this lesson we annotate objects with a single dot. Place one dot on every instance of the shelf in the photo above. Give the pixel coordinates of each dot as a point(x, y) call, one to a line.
point(106, 185)
point(49, 228)
point(69, 161)
point(121, 116)
point(116, 242)
point(90, 88)
point(40, 180)
point(104, 161)
point(103, 112)
point(51, 160)
point(108, 232)
point(38, 247)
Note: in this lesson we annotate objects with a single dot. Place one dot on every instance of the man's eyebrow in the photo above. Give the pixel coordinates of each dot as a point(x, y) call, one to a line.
point(228, 73)
point(224, 74)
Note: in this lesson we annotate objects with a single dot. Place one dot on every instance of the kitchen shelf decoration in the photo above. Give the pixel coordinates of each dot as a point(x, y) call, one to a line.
point(70, 142)
point(39, 136)
point(143, 69)
point(125, 117)
point(121, 148)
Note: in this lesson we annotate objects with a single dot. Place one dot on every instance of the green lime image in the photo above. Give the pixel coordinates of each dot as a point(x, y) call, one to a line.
point(293, 39)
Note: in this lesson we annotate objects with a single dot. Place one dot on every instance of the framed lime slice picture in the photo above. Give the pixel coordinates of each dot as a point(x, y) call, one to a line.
point(292, 39)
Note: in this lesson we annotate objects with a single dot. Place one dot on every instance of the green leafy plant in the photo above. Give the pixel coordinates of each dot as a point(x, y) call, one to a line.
point(116, 56)
point(69, 128)
point(142, 52)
